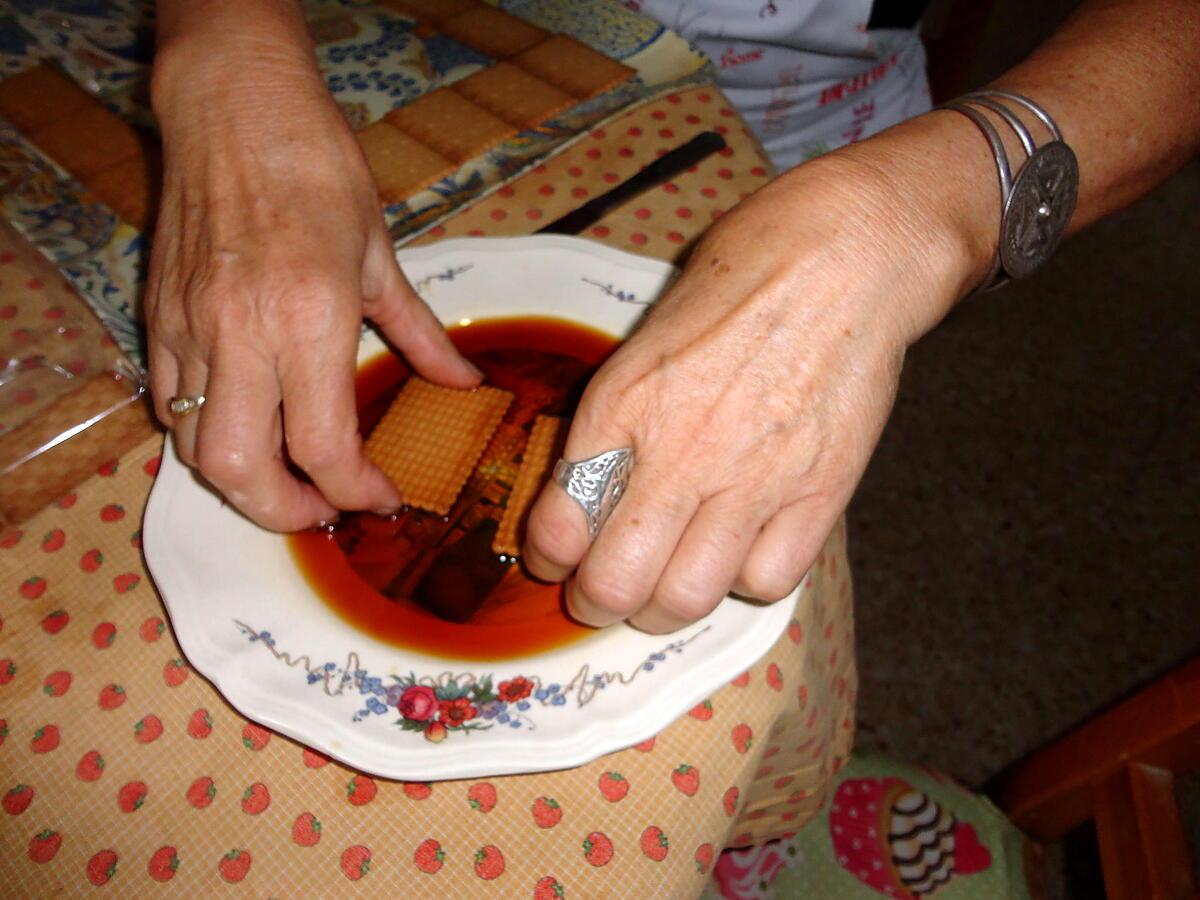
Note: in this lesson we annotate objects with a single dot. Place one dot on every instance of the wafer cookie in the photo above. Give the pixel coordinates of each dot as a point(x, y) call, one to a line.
point(545, 445)
point(88, 141)
point(492, 31)
point(39, 96)
point(573, 66)
point(401, 165)
point(132, 187)
point(514, 95)
point(450, 124)
point(430, 11)
point(431, 437)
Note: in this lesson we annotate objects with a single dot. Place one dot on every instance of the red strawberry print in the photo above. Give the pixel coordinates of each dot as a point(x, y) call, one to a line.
point(8, 311)
point(126, 582)
point(3, 730)
point(548, 888)
point(114, 512)
point(255, 799)
point(356, 861)
point(148, 729)
point(429, 856)
point(704, 858)
point(417, 790)
point(151, 630)
point(44, 845)
point(111, 696)
point(742, 680)
point(175, 672)
point(546, 812)
point(45, 739)
point(613, 786)
point(53, 540)
point(90, 766)
point(163, 864)
point(56, 683)
point(201, 792)
point(11, 538)
point(254, 737)
point(200, 724)
point(103, 635)
point(730, 801)
point(33, 587)
point(108, 469)
point(234, 865)
point(802, 695)
point(131, 796)
point(135, 540)
point(742, 737)
point(654, 843)
point(66, 501)
point(774, 677)
point(489, 862)
point(482, 797)
point(102, 867)
point(306, 830)
point(645, 746)
point(597, 848)
point(8, 670)
point(91, 561)
point(17, 800)
point(360, 790)
point(702, 711)
point(686, 779)
point(150, 466)
point(56, 621)
point(313, 759)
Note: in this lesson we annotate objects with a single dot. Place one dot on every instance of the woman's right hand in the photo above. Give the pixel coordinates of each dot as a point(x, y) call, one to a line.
point(270, 249)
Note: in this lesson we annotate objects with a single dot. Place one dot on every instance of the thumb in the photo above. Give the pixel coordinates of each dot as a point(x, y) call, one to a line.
point(404, 318)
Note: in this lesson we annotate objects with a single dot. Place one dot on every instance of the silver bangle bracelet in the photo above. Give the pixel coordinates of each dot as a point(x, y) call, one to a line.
point(1036, 204)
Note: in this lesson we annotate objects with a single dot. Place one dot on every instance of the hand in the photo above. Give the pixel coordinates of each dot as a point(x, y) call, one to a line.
point(269, 251)
point(753, 397)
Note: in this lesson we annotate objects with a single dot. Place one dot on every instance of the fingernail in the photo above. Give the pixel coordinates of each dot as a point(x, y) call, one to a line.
point(387, 511)
point(478, 372)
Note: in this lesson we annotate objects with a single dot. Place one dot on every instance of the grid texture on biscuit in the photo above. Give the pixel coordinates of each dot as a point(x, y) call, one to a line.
point(543, 448)
point(88, 141)
point(431, 437)
point(493, 31)
point(132, 187)
point(39, 96)
point(450, 124)
point(573, 66)
point(512, 94)
point(401, 165)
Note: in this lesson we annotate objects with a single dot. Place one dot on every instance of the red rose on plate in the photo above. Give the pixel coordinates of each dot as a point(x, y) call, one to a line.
point(418, 703)
point(517, 689)
point(456, 711)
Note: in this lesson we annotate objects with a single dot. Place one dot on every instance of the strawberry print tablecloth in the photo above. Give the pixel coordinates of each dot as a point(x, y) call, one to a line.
point(121, 767)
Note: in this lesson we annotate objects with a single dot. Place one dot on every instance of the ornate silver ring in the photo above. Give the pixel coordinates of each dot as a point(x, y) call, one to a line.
point(181, 406)
point(596, 484)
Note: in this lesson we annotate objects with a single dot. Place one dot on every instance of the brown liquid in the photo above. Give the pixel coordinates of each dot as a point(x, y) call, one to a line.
point(367, 567)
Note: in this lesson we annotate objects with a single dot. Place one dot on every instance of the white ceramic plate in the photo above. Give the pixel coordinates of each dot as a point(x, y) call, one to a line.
point(249, 622)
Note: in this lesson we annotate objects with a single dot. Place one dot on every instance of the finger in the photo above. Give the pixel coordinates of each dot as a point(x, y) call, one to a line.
point(620, 570)
point(321, 429)
point(784, 551)
point(192, 382)
point(239, 445)
point(703, 567)
point(164, 379)
point(412, 327)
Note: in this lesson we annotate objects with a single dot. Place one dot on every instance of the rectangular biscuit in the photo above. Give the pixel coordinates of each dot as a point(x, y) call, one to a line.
point(89, 140)
point(573, 66)
point(430, 11)
point(39, 96)
point(401, 165)
point(450, 124)
point(493, 31)
point(544, 447)
point(431, 437)
point(132, 188)
point(512, 94)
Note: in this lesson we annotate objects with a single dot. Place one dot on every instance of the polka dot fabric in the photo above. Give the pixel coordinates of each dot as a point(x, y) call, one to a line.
point(121, 767)
point(662, 222)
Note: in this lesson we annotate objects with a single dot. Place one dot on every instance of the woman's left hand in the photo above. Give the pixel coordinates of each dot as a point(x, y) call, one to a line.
point(753, 395)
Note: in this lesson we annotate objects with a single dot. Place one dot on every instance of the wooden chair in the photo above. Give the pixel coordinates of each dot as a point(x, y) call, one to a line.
point(1118, 770)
